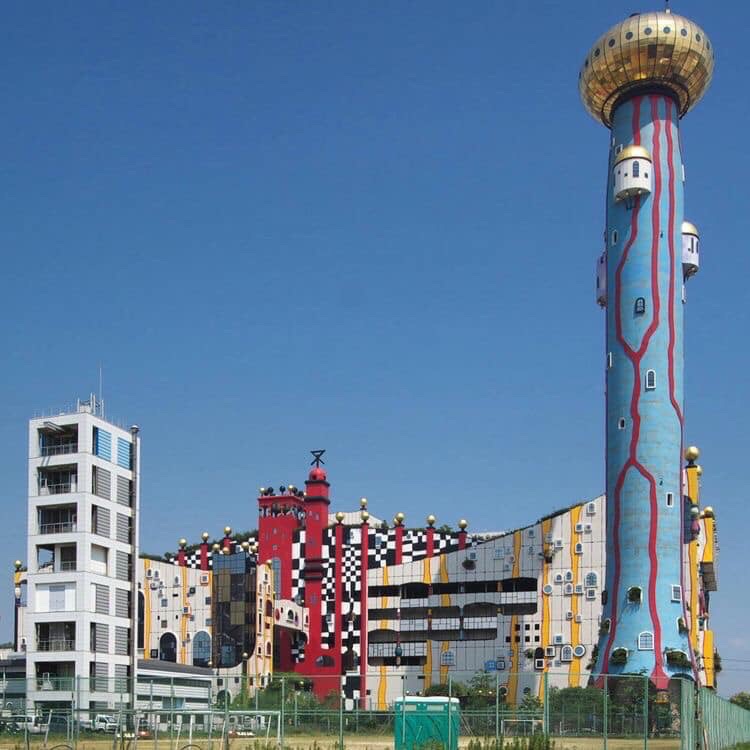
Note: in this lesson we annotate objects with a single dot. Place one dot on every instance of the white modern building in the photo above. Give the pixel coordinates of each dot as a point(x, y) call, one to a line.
point(82, 541)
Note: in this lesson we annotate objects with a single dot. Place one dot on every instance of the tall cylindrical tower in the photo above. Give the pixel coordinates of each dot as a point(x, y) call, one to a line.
point(639, 79)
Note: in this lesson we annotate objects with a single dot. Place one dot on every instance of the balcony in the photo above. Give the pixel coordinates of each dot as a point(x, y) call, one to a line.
point(59, 480)
point(55, 683)
point(57, 644)
point(60, 449)
point(59, 488)
point(60, 527)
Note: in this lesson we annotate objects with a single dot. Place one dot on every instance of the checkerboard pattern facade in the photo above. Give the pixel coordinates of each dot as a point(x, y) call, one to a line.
point(298, 565)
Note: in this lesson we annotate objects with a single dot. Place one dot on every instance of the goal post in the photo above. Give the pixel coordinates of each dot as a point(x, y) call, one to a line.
point(521, 727)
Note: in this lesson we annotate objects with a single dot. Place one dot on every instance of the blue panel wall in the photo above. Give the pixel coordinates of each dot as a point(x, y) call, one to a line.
point(124, 454)
point(102, 444)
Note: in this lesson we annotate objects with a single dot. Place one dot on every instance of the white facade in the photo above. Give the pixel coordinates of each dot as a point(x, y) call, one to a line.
point(82, 540)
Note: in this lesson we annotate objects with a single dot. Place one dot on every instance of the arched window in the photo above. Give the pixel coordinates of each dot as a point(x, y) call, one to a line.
point(579, 548)
point(640, 305)
point(168, 647)
point(269, 608)
point(650, 380)
point(646, 641)
point(201, 649)
point(566, 653)
point(568, 575)
point(268, 649)
point(636, 169)
point(592, 580)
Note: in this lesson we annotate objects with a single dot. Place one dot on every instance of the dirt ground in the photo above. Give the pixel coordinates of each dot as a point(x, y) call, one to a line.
point(305, 742)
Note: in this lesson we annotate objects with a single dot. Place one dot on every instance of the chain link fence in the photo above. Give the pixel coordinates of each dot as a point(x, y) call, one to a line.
point(312, 713)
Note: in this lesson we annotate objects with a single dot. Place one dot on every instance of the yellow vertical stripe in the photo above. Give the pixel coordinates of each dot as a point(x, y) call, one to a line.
point(574, 670)
point(546, 529)
point(515, 647)
point(694, 494)
point(383, 680)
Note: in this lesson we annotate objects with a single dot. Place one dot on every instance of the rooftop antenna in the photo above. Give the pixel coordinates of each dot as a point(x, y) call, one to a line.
point(101, 391)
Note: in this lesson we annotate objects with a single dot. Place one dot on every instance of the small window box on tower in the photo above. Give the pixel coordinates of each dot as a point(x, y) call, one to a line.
point(631, 173)
point(690, 251)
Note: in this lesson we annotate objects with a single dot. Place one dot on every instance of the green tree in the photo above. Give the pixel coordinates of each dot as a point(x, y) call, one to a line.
point(741, 699)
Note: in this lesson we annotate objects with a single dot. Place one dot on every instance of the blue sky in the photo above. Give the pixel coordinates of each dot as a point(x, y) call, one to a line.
point(369, 228)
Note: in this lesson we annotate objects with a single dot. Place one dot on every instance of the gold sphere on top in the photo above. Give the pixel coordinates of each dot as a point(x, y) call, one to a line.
point(183, 542)
point(18, 564)
point(462, 524)
point(399, 518)
point(692, 453)
point(245, 545)
point(362, 502)
point(216, 547)
point(227, 530)
point(204, 536)
point(699, 470)
point(708, 512)
point(365, 516)
point(339, 517)
point(431, 520)
point(656, 51)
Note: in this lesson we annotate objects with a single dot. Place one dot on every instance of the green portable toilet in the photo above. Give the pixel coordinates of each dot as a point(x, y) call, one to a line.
point(422, 721)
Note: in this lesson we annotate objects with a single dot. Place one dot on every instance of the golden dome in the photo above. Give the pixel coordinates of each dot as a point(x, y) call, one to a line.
point(462, 524)
point(692, 453)
point(399, 518)
point(648, 51)
point(362, 502)
point(18, 565)
point(632, 152)
point(431, 520)
point(204, 536)
point(227, 530)
point(364, 515)
point(182, 542)
point(339, 517)
point(689, 228)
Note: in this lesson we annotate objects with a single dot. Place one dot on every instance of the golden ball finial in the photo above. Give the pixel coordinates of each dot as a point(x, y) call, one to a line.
point(362, 502)
point(365, 516)
point(204, 536)
point(254, 549)
point(699, 470)
point(215, 546)
point(431, 520)
point(227, 530)
point(708, 512)
point(462, 524)
point(399, 518)
point(646, 52)
point(692, 453)
point(339, 517)
point(226, 550)
point(245, 545)
point(18, 565)
point(183, 542)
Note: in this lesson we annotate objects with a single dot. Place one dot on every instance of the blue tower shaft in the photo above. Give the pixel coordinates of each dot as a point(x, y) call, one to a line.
point(644, 413)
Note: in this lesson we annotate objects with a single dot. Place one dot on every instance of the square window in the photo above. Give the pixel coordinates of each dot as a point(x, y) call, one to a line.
point(518, 627)
point(536, 639)
point(527, 626)
point(164, 623)
point(676, 593)
point(507, 639)
point(527, 639)
point(518, 639)
point(536, 626)
point(208, 600)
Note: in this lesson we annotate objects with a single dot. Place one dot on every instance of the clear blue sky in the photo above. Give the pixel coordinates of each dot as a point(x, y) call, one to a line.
point(366, 227)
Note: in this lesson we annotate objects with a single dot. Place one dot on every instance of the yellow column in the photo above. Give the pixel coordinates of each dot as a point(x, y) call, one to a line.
point(574, 670)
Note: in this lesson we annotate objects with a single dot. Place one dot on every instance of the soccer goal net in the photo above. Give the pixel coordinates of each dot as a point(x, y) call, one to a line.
point(521, 727)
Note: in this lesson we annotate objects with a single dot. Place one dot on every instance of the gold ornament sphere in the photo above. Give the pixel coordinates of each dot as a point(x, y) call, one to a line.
point(339, 517)
point(362, 502)
point(462, 524)
point(227, 530)
point(183, 542)
point(245, 545)
point(18, 564)
point(699, 470)
point(204, 536)
point(254, 549)
point(399, 518)
point(226, 550)
point(708, 512)
point(431, 520)
point(215, 546)
point(692, 453)
point(647, 52)
point(364, 515)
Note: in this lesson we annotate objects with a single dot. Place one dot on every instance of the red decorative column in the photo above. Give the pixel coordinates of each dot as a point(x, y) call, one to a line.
point(181, 560)
point(364, 648)
point(399, 520)
point(430, 531)
point(204, 551)
point(462, 524)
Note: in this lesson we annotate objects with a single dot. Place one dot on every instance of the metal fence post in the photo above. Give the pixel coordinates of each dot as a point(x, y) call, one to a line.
point(497, 706)
point(450, 713)
point(605, 718)
point(283, 698)
point(341, 720)
point(645, 713)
